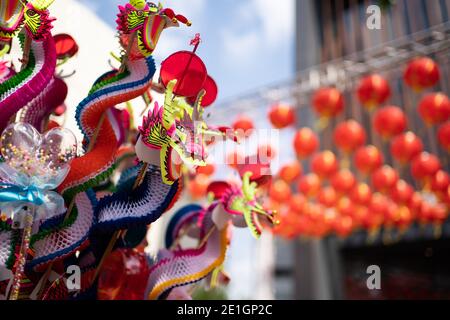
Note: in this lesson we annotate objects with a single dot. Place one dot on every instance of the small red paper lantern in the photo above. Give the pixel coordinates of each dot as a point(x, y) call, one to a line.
point(306, 142)
point(207, 170)
point(384, 179)
point(343, 226)
point(444, 136)
point(440, 182)
point(434, 108)
point(367, 159)
point(425, 166)
point(297, 203)
point(198, 186)
point(406, 146)
point(327, 197)
point(379, 204)
point(389, 121)
point(343, 181)
point(324, 164)
point(65, 45)
point(290, 172)
point(373, 91)
point(402, 192)
point(244, 126)
point(421, 73)
point(361, 194)
point(309, 185)
point(328, 102)
point(280, 191)
point(281, 116)
point(349, 135)
point(345, 206)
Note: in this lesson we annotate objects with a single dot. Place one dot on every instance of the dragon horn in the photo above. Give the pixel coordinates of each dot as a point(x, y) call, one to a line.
point(41, 4)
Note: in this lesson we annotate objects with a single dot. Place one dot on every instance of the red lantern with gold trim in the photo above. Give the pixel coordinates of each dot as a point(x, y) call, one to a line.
point(421, 73)
point(290, 171)
point(373, 91)
point(328, 102)
point(309, 185)
point(367, 159)
point(390, 121)
point(434, 108)
point(444, 136)
point(384, 179)
point(324, 164)
point(349, 135)
point(281, 116)
point(343, 181)
point(406, 146)
point(425, 166)
point(306, 142)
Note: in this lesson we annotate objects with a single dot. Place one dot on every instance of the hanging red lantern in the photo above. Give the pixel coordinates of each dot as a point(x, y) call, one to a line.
point(421, 73)
point(379, 203)
point(244, 126)
point(210, 96)
point(367, 159)
point(207, 170)
point(306, 142)
point(280, 191)
point(343, 181)
point(402, 192)
point(309, 185)
point(384, 179)
point(297, 203)
point(361, 194)
point(434, 108)
point(373, 91)
point(198, 186)
point(324, 164)
point(343, 226)
point(406, 146)
point(281, 116)
point(327, 197)
point(440, 182)
point(345, 206)
point(389, 121)
point(328, 102)
point(349, 135)
point(415, 204)
point(444, 136)
point(425, 166)
point(290, 171)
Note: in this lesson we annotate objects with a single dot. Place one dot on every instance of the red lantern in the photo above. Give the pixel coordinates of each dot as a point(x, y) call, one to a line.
point(345, 206)
point(244, 126)
point(306, 142)
point(309, 185)
point(324, 164)
point(440, 182)
point(361, 194)
point(281, 116)
point(343, 181)
point(384, 179)
point(297, 203)
point(349, 135)
point(327, 197)
point(290, 172)
point(198, 186)
point(434, 108)
point(343, 226)
point(421, 73)
point(402, 192)
point(367, 159)
point(406, 146)
point(373, 91)
point(444, 136)
point(328, 102)
point(280, 191)
point(207, 170)
point(266, 153)
point(425, 166)
point(389, 121)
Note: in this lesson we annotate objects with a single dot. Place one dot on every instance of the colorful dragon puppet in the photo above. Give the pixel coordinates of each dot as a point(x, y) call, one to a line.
point(180, 267)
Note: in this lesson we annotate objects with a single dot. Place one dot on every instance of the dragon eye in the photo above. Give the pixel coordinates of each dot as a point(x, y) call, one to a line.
point(139, 13)
point(31, 12)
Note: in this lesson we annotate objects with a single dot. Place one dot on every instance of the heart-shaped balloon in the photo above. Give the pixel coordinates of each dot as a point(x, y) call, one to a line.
point(43, 161)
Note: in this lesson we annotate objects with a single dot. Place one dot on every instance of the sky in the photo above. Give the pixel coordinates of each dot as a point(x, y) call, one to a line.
point(246, 44)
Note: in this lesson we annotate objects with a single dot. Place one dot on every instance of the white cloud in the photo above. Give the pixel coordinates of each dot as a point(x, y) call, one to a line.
point(238, 46)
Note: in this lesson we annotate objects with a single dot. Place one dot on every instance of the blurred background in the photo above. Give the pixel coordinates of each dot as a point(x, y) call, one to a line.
point(266, 54)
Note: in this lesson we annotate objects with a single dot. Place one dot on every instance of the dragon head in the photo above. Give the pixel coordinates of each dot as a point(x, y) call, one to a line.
point(243, 201)
point(38, 22)
point(148, 20)
point(162, 130)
